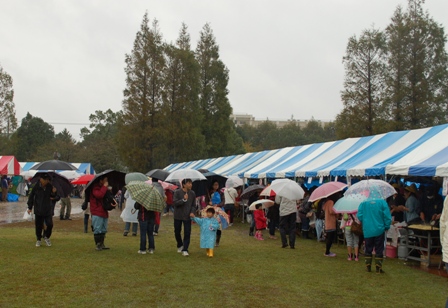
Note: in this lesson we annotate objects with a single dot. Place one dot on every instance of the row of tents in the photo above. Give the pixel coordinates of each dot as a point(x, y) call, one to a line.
point(11, 167)
point(419, 152)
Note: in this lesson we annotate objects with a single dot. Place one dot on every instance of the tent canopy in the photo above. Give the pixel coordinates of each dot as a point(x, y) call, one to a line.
point(9, 166)
point(420, 152)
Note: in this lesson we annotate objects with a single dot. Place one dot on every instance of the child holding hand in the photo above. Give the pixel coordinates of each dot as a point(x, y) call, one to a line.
point(209, 225)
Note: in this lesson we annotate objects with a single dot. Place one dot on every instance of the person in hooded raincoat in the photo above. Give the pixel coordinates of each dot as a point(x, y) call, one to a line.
point(209, 225)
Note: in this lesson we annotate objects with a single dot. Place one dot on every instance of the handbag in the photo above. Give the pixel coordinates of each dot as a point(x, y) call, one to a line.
point(356, 228)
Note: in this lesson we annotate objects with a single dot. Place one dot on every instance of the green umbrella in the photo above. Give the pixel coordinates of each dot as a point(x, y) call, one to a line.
point(146, 195)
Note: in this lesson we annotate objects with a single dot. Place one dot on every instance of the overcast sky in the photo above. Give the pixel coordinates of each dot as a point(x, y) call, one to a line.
point(285, 57)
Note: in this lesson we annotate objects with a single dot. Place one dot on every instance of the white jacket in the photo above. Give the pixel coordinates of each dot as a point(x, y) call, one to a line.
point(444, 230)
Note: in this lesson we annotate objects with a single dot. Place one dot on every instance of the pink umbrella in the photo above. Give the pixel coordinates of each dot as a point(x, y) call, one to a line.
point(326, 190)
point(165, 185)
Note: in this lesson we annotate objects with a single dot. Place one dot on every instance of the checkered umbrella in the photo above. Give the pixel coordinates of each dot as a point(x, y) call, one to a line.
point(146, 195)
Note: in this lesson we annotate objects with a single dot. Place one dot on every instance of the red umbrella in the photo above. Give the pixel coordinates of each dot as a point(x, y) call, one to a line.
point(326, 190)
point(83, 179)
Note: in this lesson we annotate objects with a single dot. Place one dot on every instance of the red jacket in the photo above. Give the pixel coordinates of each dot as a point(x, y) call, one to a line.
point(260, 219)
point(96, 201)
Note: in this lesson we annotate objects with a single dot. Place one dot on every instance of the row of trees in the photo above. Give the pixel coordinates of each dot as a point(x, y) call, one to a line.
point(395, 79)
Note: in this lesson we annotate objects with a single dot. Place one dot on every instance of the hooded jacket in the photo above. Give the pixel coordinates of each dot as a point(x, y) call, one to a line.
point(40, 198)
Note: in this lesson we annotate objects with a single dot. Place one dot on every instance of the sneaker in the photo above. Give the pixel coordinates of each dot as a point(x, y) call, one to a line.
point(151, 251)
point(331, 254)
point(125, 233)
point(179, 249)
point(155, 233)
point(185, 253)
point(272, 237)
point(230, 225)
point(142, 252)
point(164, 214)
point(47, 241)
point(67, 218)
point(134, 234)
point(38, 243)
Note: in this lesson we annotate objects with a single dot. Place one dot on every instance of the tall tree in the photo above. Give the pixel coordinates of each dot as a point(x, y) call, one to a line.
point(363, 85)
point(217, 127)
point(140, 127)
point(417, 82)
point(32, 134)
point(182, 129)
point(99, 146)
point(8, 121)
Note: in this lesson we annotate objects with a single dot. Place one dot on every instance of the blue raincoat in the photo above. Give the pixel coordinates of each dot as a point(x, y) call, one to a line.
point(209, 226)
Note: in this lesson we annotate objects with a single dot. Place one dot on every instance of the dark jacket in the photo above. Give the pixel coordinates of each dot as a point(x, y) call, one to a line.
point(41, 198)
point(143, 213)
point(182, 209)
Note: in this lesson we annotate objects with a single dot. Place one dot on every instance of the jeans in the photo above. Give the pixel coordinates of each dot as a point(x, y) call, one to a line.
point(305, 222)
point(39, 222)
point(319, 226)
point(288, 227)
point(99, 224)
point(147, 229)
point(187, 232)
point(230, 210)
point(66, 207)
point(127, 227)
point(272, 224)
point(376, 242)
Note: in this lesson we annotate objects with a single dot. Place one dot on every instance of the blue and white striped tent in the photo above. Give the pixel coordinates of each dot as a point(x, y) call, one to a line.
point(420, 152)
point(84, 168)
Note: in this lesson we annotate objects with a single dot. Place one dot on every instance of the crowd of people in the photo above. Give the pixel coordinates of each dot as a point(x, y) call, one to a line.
point(289, 217)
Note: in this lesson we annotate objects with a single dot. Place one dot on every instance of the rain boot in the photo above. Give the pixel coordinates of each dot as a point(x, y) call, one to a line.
point(210, 253)
point(368, 261)
point(379, 265)
point(218, 238)
point(97, 238)
point(207, 250)
point(103, 236)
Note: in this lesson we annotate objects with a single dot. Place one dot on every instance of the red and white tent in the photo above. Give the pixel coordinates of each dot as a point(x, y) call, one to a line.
point(9, 166)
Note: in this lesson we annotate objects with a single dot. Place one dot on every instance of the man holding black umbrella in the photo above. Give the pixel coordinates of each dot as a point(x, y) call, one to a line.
point(41, 197)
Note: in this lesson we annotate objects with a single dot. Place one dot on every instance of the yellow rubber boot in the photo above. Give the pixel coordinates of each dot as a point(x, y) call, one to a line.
point(210, 254)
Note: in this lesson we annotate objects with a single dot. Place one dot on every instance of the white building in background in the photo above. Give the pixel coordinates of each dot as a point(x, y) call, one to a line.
point(239, 119)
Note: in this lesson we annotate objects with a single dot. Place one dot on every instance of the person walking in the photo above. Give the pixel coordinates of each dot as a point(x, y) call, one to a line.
point(100, 216)
point(374, 215)
point(184, 204)
point(146, 221)
point(209, 225)
point(288, 218)
point(66, 208)
point(5, 187)
point(41, 197)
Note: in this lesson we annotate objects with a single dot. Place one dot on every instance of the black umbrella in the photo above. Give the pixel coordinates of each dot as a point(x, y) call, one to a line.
point(249, 191)
point(201, 188)
point(54, 165)
point(60, 182)
point(116, 180)
point(158, 174)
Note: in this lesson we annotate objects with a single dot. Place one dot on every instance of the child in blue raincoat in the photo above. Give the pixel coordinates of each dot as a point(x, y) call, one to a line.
point(209, 225)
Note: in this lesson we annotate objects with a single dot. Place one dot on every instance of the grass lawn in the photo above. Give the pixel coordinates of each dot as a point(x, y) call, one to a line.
point(244, 273)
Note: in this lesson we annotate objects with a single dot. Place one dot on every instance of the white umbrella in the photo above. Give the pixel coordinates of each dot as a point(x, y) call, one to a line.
point(70, 174)
point(234, 181)
point(179, 175)
point(288, 189)
point(265, 202)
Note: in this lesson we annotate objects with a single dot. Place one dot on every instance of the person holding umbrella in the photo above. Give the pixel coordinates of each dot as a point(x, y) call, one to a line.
point(100, 216)
point(41, 197)
point(374, 215)
point(184, 205)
